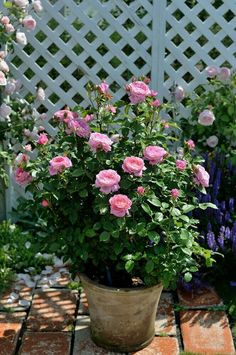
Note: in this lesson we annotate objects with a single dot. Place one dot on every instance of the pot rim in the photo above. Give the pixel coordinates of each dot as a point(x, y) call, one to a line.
point(121, 290)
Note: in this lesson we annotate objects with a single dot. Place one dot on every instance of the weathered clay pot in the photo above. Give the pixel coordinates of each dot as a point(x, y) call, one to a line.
point(121, 319)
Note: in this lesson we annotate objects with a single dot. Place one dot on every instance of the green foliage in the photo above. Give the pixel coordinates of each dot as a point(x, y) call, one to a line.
point(157, 240)
point(220, 97)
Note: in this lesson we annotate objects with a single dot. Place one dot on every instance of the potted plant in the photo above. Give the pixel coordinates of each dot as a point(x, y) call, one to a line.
point(108, 193)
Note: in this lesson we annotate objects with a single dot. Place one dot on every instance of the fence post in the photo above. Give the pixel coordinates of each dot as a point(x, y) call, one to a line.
point(158, 45)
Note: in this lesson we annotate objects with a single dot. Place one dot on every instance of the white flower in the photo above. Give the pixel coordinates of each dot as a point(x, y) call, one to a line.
point(21, 38)
point(5, 110)
point(21, 3)
point(212, 141)
point(40, 94)
point(206, 118)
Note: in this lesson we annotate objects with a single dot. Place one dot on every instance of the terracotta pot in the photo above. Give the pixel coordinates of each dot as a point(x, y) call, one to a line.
point(122, 320)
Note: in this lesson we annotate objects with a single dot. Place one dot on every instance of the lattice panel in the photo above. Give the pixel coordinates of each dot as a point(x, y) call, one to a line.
point(77, 41)
point(198, 33)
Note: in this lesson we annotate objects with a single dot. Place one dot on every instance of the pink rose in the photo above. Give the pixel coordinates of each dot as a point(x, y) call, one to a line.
point(22, 177)
point(224, 73)
point(5, 20)
point(103, 87)
point(21, 158)
point(88, 118)
point(10, 87)
point(181, 164)
point(29, 23)
point(201, 176)
point(45, 203)
point(59, 164)
point(179, 93)
point(141, 190)
point(154, 154)
point(133, 165)
point(211, 71)
point(175, 193)
point(65, 115)
point(138, 91)
point(206, 118)
point(9, 28)
point(37, 6)
point(108, 181)
point(98, 141)
point(3, 54)
point(120, 205)
point(212, 141)
point(153, 93)
point(78, 126)
point(28, 147)
point(21, 3)
point(3, 80)
point(155, 103)
point(43, 139)
point(110, 108)
point(190, 144)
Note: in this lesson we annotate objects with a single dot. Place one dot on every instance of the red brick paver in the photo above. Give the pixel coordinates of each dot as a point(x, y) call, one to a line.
point(206, 332)
point(165, 319)
point(202, 297)
point(46, 343)
point(161, 346)
point(52, 310)
point(10, 326)
point(24, 294)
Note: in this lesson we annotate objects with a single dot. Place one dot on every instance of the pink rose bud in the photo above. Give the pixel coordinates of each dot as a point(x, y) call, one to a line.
point(153, 93)
point(21, 3)
point(3, 54)
point(120, 205)
point(110, 108)
point(43, 116)
point(103, 87)
point(28, 147)
point(29, 23)
point(4, 66)
point(201, 176)
point(21, 38)
point(190, 144)
point(141, 190)
point(45, 203)
point(175, 193)
point(107, 181)
point(224, 73)
point(211, 71)
point(3, 80)
point(133, 166)
point(212, 141)
point(100, 142)
point(37, 6)
point(40, 95)
point(154, 154)
point(9, 28)
point(138, 91)
point(181, 164)
point(155, 103)
point(65, 115)
point(27, 132)
point(21, 158)
point(5, 20)
point(5, 110)
point(59, 164)
point(22, 177)
point(88, 118)
point(43, 139)
point(206, 118)
point(179, 93)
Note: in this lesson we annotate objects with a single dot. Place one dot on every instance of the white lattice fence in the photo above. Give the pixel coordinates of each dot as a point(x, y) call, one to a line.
point(77, 41)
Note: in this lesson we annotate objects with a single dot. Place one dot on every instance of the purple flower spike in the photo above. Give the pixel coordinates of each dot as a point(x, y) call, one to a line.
point(227, 233)
point(227, 216)
point(211, 241)
point(231, 204)
point(220, 241)
point(232, 283)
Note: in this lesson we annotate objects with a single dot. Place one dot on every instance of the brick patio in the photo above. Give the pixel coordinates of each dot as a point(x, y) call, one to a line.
point(56, 321)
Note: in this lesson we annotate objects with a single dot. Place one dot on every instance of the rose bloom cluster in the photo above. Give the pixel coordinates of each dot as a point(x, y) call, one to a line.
point(108, 180)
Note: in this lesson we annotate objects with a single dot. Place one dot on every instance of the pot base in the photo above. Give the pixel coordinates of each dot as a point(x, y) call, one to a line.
point(119, 348)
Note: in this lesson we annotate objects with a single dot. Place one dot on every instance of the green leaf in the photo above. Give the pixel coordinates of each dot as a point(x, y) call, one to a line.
point(158, 217)
point(8, 4)
point(104, 236)
point(89, 232)
point(146, 208)
point(154, 236)
point(188, 208)
point(187, 277)
point(204, 206)
point(83, 193)
point(149, 266)
point(165, 205)
point(118, 247)
point(184, 218)
point(129, 265)
point(175, 212)
point(155, 202)
point(77, 172)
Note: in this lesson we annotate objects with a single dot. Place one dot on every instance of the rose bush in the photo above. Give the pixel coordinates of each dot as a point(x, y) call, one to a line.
point(108, 192)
